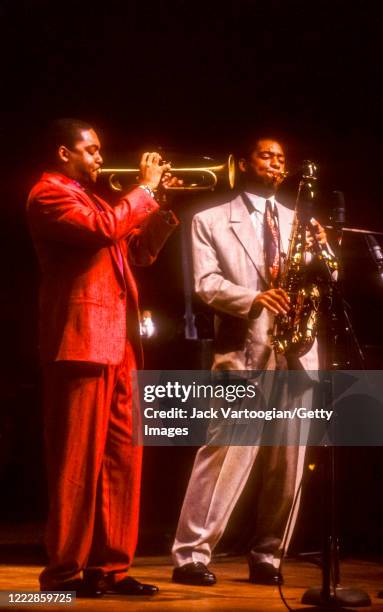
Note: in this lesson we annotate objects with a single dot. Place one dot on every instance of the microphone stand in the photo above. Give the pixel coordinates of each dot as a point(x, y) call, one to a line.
point(330, 595)
point(191, 332)
point(354, 230)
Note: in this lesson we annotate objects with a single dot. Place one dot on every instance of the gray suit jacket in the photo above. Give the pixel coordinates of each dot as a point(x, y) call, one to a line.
point(229, 271)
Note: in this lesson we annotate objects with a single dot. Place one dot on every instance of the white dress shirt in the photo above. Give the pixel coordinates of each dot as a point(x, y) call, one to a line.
point(257, 217)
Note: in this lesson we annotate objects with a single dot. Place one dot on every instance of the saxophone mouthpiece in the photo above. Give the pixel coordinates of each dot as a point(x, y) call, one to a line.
point(281, 174)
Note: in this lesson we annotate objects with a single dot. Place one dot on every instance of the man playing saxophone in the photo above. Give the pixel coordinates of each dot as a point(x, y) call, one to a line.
point(237, 252)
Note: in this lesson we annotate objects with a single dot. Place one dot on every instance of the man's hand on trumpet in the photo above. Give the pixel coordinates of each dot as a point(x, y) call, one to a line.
point(169, 181)
point(152, 169)
point(156, 173)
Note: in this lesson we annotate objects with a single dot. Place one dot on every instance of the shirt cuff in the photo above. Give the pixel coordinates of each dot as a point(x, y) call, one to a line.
point(148, 190)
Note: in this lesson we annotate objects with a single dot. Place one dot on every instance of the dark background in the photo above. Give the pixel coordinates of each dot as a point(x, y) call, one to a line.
point(195, 78)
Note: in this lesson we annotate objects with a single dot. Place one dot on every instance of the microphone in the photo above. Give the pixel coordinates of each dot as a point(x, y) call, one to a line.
point(376, 253)
point(338, 216)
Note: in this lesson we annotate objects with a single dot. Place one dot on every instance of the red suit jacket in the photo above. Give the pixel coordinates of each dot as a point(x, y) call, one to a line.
point(88, 297)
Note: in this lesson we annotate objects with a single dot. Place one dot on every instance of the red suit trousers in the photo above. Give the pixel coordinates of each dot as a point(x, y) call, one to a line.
point(93, 469)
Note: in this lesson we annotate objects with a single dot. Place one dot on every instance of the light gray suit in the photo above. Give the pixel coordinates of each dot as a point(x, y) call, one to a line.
point(229, 271)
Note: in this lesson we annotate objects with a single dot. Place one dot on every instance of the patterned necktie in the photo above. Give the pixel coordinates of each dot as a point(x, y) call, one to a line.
point(271, 243)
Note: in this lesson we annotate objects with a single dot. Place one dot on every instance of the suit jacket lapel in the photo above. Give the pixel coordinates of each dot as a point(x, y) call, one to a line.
point(104, 206)
point(243, 229)
point(58, 178)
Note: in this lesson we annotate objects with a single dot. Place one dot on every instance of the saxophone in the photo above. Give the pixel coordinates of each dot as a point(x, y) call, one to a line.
point(294, 333)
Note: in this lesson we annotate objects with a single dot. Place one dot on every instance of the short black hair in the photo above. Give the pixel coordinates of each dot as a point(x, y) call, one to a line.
point(249, 145)
point(65, 131)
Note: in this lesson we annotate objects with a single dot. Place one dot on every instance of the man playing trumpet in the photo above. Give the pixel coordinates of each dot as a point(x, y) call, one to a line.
point(89, 343)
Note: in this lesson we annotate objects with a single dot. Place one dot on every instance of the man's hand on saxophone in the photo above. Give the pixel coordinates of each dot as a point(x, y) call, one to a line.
point(275, 300)
point(316, 232)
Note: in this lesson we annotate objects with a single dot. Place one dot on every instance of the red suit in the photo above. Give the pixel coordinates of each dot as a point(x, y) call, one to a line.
point(89, 342)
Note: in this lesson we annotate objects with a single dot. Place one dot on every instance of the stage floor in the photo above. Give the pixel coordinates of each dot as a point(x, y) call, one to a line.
point(231, 593)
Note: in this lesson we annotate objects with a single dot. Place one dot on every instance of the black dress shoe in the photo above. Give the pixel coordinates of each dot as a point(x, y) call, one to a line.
point(130, 586)
point(264, 573)
point(83, 588)
point(194, 573)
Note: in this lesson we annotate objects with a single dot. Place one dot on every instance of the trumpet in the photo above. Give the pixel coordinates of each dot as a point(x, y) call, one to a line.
point(198, 178)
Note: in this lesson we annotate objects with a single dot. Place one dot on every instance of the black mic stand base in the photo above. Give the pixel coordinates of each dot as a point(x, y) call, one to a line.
point(339, 597)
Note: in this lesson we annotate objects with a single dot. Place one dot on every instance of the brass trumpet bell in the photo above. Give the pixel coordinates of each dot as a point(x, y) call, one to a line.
point(195, 178)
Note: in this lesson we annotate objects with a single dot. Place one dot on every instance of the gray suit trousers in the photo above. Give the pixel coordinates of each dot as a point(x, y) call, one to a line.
point(218, 477)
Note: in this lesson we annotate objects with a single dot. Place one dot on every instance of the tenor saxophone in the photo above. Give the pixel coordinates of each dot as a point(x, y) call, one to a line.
point(294, 333)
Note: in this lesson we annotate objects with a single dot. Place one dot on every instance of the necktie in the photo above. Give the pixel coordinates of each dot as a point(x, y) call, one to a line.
point(271, 243)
